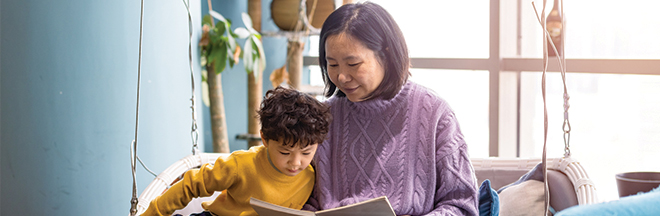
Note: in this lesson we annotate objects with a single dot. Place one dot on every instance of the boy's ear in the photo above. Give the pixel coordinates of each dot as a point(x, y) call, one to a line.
point(261, 133)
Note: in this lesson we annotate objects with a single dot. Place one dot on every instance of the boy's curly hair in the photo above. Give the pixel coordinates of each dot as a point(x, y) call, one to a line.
point(293, 117)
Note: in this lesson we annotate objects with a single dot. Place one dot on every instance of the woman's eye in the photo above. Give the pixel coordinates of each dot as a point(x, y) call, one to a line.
point(353, 64)
point(333, 65)
point(284, 153)
point(306, 153)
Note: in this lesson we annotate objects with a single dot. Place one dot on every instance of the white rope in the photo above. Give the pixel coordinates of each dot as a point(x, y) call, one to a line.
point(194, 134)
point(134, 200)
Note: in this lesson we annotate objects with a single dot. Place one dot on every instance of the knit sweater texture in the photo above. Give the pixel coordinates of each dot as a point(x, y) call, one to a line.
point(242, 175)
point(409, 148)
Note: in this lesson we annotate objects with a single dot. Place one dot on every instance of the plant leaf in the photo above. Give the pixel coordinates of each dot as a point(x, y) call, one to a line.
point(220, 61)
point(262, 55)
point(242, 32)
point(230, 56)
point(247, 55)
point(217, 15)
point(207, 20)
point(256, 69)
point(248, 22)
point(220, 28)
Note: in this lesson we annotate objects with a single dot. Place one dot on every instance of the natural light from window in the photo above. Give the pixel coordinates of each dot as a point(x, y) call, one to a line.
point(615, 118)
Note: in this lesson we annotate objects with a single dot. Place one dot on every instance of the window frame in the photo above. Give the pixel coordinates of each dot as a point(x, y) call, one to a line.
point(504, 72)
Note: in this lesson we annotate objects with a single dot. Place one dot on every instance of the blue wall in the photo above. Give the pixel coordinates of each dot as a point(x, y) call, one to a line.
point(68, 84)
point(68, 97)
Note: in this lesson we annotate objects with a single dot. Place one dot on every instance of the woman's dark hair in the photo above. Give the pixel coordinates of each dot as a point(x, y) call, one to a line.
point(293, 117)
point(372, 25)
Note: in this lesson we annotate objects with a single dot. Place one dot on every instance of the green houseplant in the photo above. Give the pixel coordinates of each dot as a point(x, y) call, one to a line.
point(219, 47)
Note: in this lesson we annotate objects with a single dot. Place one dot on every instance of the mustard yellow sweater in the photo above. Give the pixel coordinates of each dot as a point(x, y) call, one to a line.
point(243, 174)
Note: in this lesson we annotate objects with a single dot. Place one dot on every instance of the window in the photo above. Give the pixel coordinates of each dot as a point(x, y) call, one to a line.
point(470, 104)
point(613, 78)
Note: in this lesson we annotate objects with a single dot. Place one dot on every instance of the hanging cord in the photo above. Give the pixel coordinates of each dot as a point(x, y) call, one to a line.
point(567, 124)
point(194, 133)
point(566, 127)
point(134, 199)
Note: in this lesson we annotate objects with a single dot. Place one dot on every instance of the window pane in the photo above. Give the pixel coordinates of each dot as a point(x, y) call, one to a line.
point(467, 94)
point(599, 29)
point(615, 123)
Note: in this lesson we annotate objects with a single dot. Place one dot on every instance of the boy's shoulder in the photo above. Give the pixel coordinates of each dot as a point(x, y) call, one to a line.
point(252, 152)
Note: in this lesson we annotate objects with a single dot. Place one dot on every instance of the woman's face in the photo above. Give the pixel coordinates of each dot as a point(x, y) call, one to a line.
point(352, 67)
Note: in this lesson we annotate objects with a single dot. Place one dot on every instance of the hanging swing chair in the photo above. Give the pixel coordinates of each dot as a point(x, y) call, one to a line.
point(566, 181)
point(175, 172)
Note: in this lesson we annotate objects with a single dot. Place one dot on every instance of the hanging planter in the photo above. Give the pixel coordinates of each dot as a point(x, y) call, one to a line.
point(286, 13)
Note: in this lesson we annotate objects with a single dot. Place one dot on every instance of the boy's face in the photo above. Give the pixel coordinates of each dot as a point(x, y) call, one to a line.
point(289, 160)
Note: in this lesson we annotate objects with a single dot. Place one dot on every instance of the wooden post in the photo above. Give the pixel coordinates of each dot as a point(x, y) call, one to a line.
point(217, 108)
point(255, 84)
point(295, 62)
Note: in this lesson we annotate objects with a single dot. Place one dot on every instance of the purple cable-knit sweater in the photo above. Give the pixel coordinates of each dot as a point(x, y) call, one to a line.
point(409, 148)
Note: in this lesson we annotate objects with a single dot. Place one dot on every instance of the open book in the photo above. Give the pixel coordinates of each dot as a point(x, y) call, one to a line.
point(377, 206)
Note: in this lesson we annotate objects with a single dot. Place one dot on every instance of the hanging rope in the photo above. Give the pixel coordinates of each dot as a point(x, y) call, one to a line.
point(194, 133)
point(566, 126)
point(134, 199)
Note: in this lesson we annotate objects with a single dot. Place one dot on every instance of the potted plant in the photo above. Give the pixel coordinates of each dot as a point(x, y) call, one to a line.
point(218, 46)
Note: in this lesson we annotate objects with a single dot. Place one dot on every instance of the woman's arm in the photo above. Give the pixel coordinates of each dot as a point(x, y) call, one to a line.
point(456, 189)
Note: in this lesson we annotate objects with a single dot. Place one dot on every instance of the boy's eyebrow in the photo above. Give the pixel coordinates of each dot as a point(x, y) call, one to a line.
point(307, 148)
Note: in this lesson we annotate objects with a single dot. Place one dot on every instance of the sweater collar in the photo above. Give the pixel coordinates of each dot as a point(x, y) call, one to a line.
point(378, 106)
point(269, 169)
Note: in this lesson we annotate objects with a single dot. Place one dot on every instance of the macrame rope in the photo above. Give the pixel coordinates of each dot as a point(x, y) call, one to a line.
point(566, 127)
point(194, 132)
point(134, 199)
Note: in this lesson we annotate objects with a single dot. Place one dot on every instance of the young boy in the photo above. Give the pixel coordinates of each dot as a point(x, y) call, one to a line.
point(292, 126)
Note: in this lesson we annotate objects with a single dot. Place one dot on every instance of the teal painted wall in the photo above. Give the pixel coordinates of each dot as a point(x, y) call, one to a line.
point(68, 101)
point(68, 83)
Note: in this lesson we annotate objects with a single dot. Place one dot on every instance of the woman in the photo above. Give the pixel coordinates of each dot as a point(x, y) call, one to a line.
point(389, 137)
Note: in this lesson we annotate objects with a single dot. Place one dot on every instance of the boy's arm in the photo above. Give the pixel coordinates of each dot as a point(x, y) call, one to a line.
point(195, 183)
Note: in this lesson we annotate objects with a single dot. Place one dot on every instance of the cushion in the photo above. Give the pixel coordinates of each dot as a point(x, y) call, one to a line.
point(535, 173)
point(498, 177)
point(524, 198)
point(639, 205)
point(489, 201)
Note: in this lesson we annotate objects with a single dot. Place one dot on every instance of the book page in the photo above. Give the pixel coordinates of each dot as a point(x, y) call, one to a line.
point(377, 207)
point(269, 209)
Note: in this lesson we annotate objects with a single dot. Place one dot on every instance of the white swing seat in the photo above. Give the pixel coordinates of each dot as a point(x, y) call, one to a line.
point(172, 175)
point(568, 182)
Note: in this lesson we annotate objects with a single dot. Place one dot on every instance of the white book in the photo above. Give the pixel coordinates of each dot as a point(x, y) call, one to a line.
point(377, 207)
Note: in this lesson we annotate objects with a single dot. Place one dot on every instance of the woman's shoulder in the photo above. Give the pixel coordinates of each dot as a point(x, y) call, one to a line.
point(335, 101)
point(426, 94)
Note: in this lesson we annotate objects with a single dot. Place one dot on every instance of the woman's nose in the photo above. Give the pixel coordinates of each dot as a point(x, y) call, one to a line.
point(344, 77)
